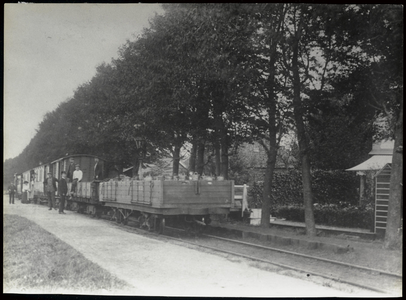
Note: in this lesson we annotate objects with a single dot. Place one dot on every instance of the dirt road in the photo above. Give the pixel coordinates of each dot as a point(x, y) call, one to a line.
point(159, 268)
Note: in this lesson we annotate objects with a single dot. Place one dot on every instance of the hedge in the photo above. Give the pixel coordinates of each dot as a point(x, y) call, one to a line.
point(329, 187)
point(341, 215)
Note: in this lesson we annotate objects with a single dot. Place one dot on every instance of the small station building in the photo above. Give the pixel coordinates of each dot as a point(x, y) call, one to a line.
point(379, 167)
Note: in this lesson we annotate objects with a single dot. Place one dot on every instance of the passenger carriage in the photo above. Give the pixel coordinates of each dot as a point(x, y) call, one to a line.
point(86, 188)
point(37, 184)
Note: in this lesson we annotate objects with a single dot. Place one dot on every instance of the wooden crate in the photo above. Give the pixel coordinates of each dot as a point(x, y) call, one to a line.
point(169, 197)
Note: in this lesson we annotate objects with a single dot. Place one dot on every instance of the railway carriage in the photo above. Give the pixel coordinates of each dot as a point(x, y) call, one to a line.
point(84, 189)
point(38, 182)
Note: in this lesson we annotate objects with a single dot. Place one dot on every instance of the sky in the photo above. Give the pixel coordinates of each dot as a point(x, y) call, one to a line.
point(50, 50)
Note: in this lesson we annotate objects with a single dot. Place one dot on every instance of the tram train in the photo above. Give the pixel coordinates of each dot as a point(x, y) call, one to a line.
point(150, 202)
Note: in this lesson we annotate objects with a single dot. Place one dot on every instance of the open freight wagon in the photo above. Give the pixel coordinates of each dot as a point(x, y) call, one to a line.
point(180, 201)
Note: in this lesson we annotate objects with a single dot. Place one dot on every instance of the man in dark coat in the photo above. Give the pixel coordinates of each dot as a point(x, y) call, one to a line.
point(50, 188)
point(71, 169)
point(63, 190)
point(11, 191)
point(97, 170)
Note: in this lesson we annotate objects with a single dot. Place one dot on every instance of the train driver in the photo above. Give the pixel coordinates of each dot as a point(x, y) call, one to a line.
point(77, 177)
point(71, 169)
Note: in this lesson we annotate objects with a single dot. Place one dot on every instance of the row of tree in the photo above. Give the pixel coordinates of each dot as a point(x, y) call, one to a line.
point(214, 76)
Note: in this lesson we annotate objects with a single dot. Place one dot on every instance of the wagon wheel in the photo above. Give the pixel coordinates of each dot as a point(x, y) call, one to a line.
point(125, 219)
point(160, 225)
point(127, 214)
point(188, 227)
point(112, 214)
point(98, 212)
point(141, 221)
point(119, 216)
point(207, 220)
point(94, 213)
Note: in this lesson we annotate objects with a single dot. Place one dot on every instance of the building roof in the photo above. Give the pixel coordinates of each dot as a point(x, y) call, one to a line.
point(376, 162)
point(382, 148)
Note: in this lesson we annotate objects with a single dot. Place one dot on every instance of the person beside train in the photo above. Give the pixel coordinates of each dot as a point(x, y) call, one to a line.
point(71, 169)
point(63, 190)
point(50, 188)
point(77, 177)
point(25, 191)
point(32, 189)
point(11, 192)
point(98, 175)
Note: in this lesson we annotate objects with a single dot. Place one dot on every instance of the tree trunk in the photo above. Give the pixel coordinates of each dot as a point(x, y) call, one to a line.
point(267, 197)
point(271, 151)
point(224, 154)
point(218, 158)
point(271, 103)
point(192, 159)
point(393, 234)
point(302, 141)
point(176, 159)
point(200, 157)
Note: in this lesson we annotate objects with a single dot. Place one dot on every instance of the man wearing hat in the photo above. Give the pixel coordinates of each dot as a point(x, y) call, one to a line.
point(50, 188)
point(25, 191)
point(70, 170)
point(11, 191)
point(63, 190)
point(77, 177)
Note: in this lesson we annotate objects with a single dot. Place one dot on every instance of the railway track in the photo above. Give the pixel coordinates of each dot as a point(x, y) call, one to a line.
point(303, 266)
point(379, 281)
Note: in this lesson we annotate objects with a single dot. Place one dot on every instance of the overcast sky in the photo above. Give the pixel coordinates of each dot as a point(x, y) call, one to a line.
point(51, 49)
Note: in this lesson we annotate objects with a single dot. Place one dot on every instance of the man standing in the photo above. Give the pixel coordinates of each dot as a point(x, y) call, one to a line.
point(71, 169)
point(63, 190)
point(11, 191)
point(50, 188)
point(77, 177)
point(97, 170)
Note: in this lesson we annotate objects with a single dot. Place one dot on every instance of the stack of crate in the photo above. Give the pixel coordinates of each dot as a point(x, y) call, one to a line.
point(86, 189)
point(79, 189)
point(102, 191)
point(122, 191)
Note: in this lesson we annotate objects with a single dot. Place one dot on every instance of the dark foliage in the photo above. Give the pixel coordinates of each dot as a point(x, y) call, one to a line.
point(330, 187)
point(340, 215)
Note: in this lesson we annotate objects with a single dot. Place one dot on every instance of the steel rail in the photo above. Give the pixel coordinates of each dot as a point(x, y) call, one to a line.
point(267, 261)
point(307, 256)
point(283, 265)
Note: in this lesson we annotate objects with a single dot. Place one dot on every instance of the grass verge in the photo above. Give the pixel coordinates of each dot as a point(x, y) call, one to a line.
point(34, 260)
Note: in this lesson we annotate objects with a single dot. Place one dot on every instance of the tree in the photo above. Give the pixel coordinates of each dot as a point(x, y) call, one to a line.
point(340, 129)
point(376, 34)
point(384, 43)
point(267, 94)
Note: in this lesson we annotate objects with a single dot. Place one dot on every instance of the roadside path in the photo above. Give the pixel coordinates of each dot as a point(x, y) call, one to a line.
point(157, 268)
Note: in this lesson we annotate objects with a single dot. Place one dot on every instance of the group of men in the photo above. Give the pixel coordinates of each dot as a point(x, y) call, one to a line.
point(73, 174)
point(69, 176)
